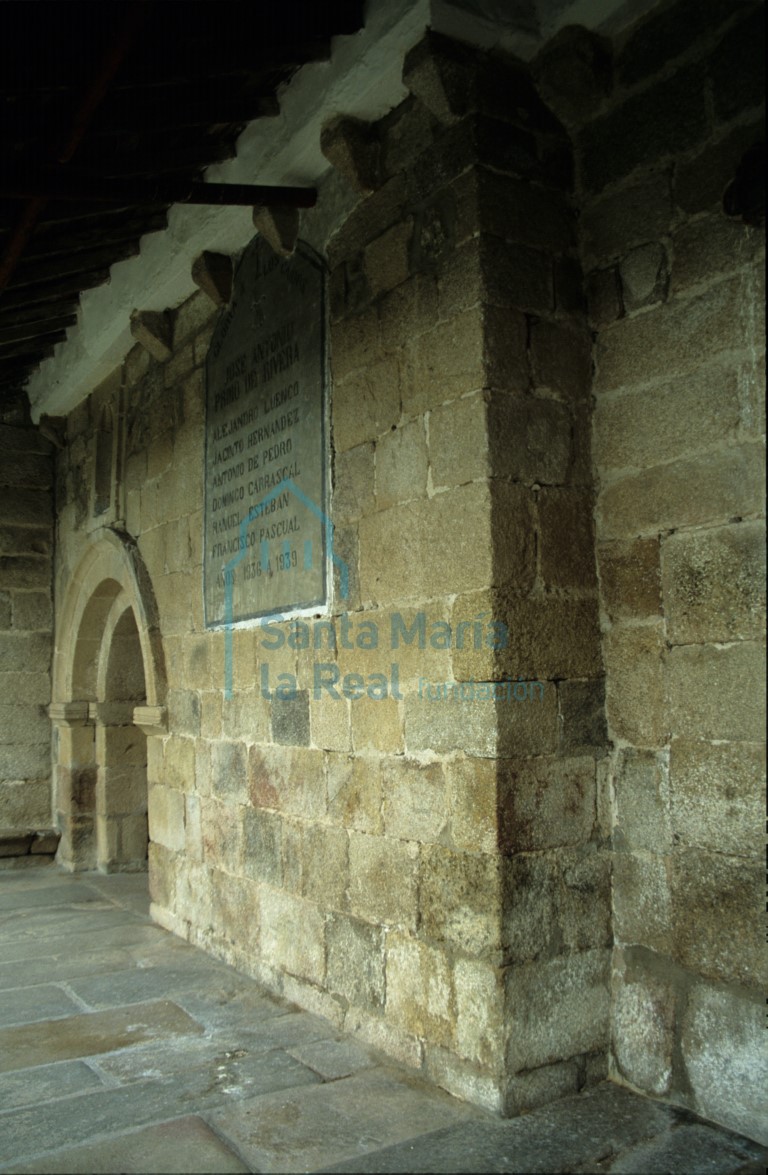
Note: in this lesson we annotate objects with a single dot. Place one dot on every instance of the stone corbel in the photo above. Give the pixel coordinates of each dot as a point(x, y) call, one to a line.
point(69, 713)
point(153, 330)
point(212, 273)
point(153, 720)
point(352, 147)
point(112, 713)
point(278, 226)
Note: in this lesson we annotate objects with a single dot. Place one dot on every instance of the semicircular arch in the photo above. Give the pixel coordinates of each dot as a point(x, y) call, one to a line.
point(111, 569)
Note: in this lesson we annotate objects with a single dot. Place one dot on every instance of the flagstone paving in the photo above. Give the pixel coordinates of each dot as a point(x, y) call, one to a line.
point(125, 1049)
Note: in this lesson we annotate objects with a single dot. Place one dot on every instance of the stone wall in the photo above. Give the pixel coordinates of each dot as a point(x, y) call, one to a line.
point(676, 301)
point(430, 871)
point(26, 618)
point(425, 870)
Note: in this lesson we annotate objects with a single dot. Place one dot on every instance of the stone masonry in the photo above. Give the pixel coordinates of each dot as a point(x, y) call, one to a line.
point(546, 438)
point(26, 621)
point(677, 300)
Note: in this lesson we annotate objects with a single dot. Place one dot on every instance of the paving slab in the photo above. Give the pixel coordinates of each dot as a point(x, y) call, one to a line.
point(333, 1059)
point(187, 1065)
point(18, 926)
point(32, 1087)
point(203, 1073)
point(72, 1121)
point(136, 984)
point(49, 896)
point(308, 1129)
point(91, 1033)
point(120, 933)
point(185, 1144)
point(591, 1132)
point(688, 1147)
point(23, 1005)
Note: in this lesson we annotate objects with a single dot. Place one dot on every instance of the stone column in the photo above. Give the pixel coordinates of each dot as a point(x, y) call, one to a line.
point(74, 755)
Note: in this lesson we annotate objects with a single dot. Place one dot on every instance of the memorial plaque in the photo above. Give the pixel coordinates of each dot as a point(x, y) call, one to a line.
point(265, 540)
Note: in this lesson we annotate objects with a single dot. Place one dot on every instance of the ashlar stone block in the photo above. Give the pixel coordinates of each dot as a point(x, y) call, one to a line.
point(420, 991)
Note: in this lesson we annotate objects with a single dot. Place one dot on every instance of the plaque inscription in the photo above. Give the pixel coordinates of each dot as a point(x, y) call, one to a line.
point(265, 538)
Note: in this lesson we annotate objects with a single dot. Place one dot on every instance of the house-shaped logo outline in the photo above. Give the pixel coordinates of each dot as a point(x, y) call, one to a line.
point(254, 513)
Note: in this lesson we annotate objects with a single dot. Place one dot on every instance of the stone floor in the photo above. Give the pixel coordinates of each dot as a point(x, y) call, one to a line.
point(124, 1049)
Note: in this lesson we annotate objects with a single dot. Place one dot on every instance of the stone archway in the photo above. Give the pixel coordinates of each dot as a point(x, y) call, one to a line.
point(109, 695)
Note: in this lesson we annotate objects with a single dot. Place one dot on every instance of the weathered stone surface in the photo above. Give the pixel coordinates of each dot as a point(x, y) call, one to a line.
point(712, 247)
point(354, 791)
point(444, 530)
point(700, 181)
point(642, 905)
point(382, 879)
point(445, 363)
point(722, 1038)
point(229, 770)
point(709, 488)
point(603, 292)
point(353, 483)
point(325, 1125)
point(644, 276)
point(366, 405)
point(471, 799)
point(549, 638)
point(387, 259)
point(714, 584)
point(356, 961)
point(561, 359)
point(639, 212)
point(290, 780)
point(460, 900)
point(566, 538)
point(674, 339)
point(717, 692)
point(377, 725)
point(530, 439)
point(413, 799)
point(292, 934)
point(479, 1005)
point(324, 866)
point(262, 845)
point(440, 721)
point(290, 720)
point(643, 1017)
point(557, 1009)
point(630, 578)
point(714, 902)
point(668, 420)
point(716, 795)
point(641, 787)
point(438, 71)
point(401, 464)
point(330, 723)
point(420, 992)
point(166, 817)
point(458, 443)
point(92, 1033)
point(545, 803)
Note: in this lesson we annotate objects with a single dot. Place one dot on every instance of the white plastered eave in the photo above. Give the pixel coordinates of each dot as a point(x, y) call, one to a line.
point(362, 78)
